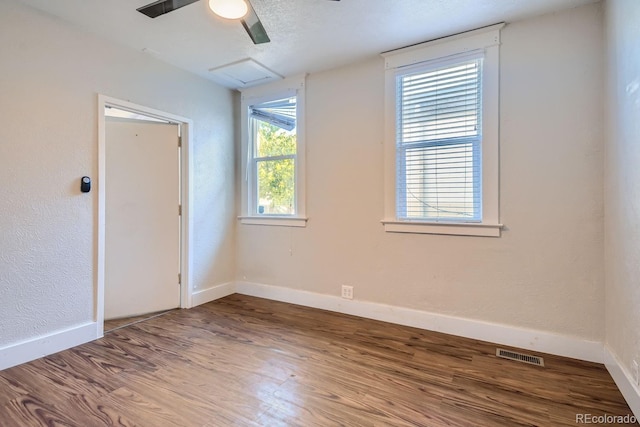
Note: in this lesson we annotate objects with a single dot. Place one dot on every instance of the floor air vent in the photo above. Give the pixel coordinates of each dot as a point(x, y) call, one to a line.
point(520, 357)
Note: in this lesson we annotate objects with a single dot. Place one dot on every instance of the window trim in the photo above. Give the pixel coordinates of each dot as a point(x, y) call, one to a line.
point(256, 95)
point(488, 40)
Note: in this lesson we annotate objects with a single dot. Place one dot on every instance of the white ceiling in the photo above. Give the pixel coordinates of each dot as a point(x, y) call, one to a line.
point(306, 35)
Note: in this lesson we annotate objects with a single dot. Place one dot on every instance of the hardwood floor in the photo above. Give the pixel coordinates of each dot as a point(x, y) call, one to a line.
point(111, 324)
point(246, 361)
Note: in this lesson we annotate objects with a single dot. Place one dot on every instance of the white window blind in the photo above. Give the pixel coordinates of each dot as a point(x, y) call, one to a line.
point(281, 113)
point(438, 141)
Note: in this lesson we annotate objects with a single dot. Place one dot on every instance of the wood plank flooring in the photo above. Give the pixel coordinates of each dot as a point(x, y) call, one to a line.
point(111, 324)
point(243, 361)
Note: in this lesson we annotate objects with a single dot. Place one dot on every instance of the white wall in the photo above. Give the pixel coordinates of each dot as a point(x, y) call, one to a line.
point(50, 75)
point(546, 271)
point(622, 183)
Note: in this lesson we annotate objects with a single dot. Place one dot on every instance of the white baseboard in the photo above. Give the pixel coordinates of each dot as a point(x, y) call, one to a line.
point(213, 293)
point(26, 351)
point(624, 381)
point(533, 340)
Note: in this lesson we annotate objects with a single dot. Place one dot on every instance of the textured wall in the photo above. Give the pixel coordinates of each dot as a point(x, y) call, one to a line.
point(50, 75)
point(622, 181)
point(545, 273)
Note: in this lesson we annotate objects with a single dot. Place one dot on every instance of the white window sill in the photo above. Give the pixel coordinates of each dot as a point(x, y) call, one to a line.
point(450, 228)
point(281, 221)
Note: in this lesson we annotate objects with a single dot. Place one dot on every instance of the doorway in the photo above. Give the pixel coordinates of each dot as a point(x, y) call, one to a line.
point(142, 228)
point(143, 233)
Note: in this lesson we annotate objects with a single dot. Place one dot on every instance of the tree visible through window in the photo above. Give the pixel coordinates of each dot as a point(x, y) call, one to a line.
point(273, 154)
point(275, 164)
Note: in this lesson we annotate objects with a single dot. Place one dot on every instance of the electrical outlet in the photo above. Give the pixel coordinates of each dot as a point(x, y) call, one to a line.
point(635, 372)
point(347, 292)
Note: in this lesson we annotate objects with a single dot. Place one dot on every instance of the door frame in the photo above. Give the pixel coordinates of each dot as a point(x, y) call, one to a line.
point(186, 191)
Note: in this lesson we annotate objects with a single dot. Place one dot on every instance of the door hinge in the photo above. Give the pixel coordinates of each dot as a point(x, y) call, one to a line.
point(179, 279)
point(179, 210)
point(179, 141)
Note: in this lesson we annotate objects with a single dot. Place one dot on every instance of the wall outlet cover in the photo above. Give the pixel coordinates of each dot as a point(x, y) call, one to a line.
point(347, 292)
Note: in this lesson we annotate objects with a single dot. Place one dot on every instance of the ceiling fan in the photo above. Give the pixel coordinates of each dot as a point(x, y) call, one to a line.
point(230, 9)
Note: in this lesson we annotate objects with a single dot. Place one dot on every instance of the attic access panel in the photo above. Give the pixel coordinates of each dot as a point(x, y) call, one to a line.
point(244, 73)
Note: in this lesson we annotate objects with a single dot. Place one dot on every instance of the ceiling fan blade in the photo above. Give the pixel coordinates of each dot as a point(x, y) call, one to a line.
point(254, 27)
point(160, 7)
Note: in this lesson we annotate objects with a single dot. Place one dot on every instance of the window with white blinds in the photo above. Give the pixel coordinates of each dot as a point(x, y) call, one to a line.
point(441, 149)
point(439, 135)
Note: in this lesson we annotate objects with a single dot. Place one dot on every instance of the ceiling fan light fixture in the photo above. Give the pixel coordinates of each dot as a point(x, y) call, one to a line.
point(229, 9)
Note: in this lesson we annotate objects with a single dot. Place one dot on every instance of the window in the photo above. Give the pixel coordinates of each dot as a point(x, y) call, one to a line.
point(272, 130)
point(438, 142)
point(441, 150)
point(273, 187)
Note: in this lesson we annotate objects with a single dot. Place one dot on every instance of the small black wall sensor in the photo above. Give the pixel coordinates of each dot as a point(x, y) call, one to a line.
point(85, 184)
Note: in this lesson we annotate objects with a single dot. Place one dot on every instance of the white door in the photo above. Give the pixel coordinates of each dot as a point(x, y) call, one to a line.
point(142, 223)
